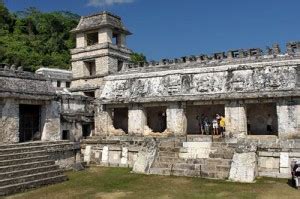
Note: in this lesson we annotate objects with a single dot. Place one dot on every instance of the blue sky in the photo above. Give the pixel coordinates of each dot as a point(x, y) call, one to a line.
point(175, 28)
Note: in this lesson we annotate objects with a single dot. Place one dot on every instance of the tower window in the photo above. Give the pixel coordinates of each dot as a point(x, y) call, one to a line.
point(65, 135)
point(91, 67)
point(116, 39)
point(68, 84)
point(58, 84)
point(92, 38)
point(120, 65)
point(90, 94)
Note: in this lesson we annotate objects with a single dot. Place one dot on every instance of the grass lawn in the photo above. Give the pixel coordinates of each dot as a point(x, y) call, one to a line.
point(99, 182)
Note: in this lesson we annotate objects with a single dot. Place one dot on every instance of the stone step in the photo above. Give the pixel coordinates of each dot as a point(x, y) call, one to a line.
point(170, 159)
point(168, 149)
point(22, 149)
point(223, 155)
point(196, 161)
point(35, 143)
point(158, 164)
point(218, 139)
point(10, 189)
point(32, 165)
point(213, 171)
point(218, 161)
point(185, 166)
point(223, 144)
point(170, 144)
point(214, 175)
point(186, 172)
point(24, 160)
point(22, 155)
point(160, 171)
point(14, 174)
point(168, 154)
point(31, 177)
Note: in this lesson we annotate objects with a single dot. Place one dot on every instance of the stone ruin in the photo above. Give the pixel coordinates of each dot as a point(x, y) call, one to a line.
point(144, 115)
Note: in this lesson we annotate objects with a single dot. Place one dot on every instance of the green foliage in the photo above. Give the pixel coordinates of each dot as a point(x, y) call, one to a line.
point(138, 57)
point(31, 38)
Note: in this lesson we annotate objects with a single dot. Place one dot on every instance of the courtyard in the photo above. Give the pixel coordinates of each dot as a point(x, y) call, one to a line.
point(110, 183)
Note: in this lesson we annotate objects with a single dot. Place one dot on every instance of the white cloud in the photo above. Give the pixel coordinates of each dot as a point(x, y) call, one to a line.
point(98, 3)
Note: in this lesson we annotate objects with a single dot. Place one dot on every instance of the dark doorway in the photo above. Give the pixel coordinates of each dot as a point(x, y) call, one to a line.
point(29, 127)
point(258, 118)
point(65, 135)
point(86, 130)
point(157, 118)
point(120, 119)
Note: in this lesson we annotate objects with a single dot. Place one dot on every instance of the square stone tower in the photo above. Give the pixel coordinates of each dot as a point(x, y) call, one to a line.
point(100, 50)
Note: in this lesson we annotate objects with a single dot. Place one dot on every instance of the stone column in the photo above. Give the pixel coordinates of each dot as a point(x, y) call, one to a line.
point(9, 122)
point(288, 113)
point(51, 121)
point(176, 118)
point(103, 119)
point(236, 119)
point(137, 119)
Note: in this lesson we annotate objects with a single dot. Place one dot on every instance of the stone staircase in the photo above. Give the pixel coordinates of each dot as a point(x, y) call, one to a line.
point(172, 160)
point(29, 165)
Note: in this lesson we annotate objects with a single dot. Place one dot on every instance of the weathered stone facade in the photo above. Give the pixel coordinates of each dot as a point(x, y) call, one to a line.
point(19, 89)
point(146, 115)
point(163, 99)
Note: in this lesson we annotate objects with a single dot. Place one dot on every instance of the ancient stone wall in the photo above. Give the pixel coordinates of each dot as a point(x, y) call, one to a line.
point(51, 121)
point(112, 151)
point(9, 121)
point(288, 111)
point(270, 79)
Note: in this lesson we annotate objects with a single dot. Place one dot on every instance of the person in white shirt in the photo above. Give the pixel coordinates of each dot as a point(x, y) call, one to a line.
point(269, 124)
point(215, 126)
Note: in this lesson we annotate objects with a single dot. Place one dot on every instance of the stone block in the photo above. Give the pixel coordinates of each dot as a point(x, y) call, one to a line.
point(114, 157)
point(285, 170)
point(124, 158)
point(284, 159)
point(268, 162)
point(105, 154)
point(87, 154)
point(243, 167)
point(145, 157)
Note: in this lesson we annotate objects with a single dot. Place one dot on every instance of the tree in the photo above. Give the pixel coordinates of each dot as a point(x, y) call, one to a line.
point(32, 38)
point(138, 57)
point(6, 19)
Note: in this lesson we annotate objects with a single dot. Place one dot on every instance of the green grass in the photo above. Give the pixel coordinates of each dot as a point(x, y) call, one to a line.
point(99, 182)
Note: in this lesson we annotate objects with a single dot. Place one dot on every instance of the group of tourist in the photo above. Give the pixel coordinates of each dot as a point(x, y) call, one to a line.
point(216, 126)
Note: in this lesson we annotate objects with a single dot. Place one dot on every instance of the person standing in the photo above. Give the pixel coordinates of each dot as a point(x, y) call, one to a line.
point(222, 125)
point(269, 124)
point(215, 126)
point(206, 125)
point(201, 123)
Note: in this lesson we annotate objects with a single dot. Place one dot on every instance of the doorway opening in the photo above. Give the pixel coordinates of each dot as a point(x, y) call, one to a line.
point(262, 119)
point(200, 118)
point(29, 126)
point(157, 118)
point(86, 130)
point(120, 119)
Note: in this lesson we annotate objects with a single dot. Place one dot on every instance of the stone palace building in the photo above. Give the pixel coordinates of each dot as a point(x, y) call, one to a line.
point(146, 115)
